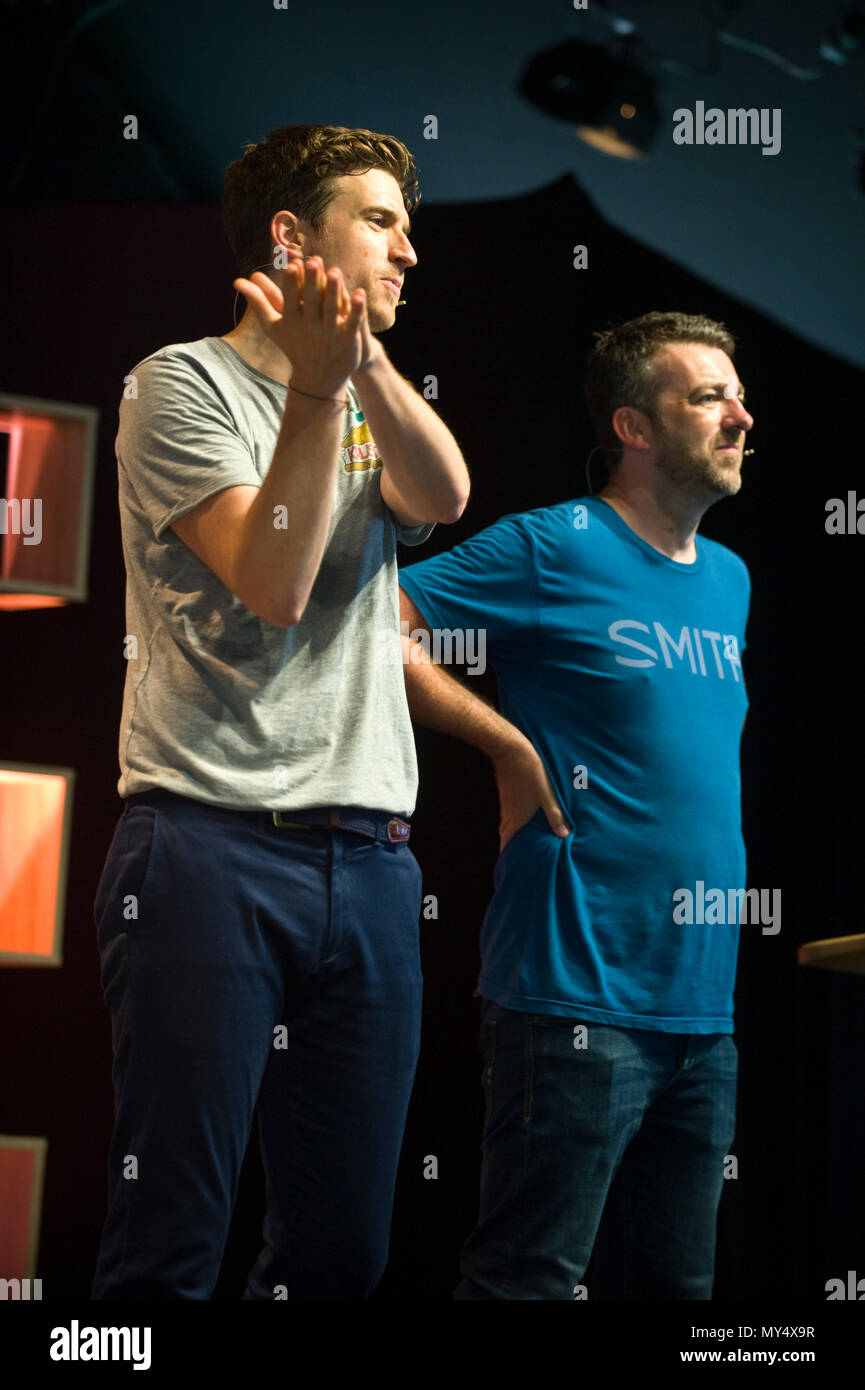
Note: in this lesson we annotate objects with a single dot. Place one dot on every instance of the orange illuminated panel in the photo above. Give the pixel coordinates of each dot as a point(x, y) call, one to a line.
point(35, 811)
point(15, 601)
point(22, 1170)
point(47, 453)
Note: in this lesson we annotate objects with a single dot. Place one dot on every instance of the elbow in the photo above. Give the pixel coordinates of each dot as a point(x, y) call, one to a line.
point(287, 619)
point(276, 600)
point(279, 614)
point(455, 511)
point(291, 616)
point(293, 607)
point(276, 617)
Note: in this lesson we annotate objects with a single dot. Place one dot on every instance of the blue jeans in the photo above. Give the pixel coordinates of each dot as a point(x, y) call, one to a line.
point(248, 965)
point(645, 1118)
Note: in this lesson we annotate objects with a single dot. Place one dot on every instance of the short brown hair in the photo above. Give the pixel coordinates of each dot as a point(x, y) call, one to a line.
point(295, 168)
point(620, 369)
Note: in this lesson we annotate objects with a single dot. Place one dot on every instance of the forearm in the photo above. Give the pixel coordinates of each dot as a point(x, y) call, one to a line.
point(438, 701)
point(284, 533)
point(418, 451)
point(442, 703)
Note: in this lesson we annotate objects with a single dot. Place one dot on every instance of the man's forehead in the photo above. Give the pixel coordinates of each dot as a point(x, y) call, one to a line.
point(374, 185)
point(684, 365)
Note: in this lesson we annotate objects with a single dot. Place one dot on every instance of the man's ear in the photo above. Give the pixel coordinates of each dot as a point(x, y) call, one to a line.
point(285, 231)
point(633, 428)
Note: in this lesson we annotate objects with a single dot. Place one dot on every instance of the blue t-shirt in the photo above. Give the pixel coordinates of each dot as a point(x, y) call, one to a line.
point(623, 668)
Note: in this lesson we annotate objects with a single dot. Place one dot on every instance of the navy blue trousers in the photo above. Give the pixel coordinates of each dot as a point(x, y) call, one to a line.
point(249, 967)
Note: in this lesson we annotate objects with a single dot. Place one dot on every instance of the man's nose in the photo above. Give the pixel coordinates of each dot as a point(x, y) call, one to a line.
point(737, 415)
point(402, 250)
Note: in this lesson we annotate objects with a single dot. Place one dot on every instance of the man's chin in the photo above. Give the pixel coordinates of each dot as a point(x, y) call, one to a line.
point(731, 478)
point(726, 485)
point(381, 320)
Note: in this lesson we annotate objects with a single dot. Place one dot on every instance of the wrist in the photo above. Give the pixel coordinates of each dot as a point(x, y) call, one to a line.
point(502, 741)
point(375, 361)
point(320, 390)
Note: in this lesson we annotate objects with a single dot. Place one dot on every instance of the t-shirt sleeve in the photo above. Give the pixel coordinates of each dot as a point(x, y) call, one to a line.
point(414, 535)
point(177, 441)
point(489, 581)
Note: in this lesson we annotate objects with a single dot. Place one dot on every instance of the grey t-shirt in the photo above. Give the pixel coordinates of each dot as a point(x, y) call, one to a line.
point(218, 704)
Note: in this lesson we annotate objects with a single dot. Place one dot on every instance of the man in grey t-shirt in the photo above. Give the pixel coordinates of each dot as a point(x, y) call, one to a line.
point(258, 908)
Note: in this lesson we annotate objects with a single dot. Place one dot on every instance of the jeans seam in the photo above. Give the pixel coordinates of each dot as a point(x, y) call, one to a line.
point(627, 1231)
point(518, 1239)
point(138, 889)
point(528, 1089)
point(334, 872)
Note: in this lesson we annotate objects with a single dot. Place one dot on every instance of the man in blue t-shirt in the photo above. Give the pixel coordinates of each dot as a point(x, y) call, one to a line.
point(616, 638)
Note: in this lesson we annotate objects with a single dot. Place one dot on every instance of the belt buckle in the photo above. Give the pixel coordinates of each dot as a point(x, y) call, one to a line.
point(287, 824)
point(398, 830)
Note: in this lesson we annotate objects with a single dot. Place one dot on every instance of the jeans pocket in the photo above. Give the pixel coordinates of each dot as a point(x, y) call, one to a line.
point(124, 875)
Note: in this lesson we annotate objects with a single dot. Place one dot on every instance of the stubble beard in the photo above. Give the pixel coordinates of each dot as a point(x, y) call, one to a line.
point(700, 477)
point(379, 319)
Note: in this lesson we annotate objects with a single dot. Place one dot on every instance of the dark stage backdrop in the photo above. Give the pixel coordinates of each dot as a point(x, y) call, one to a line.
point(497, 313)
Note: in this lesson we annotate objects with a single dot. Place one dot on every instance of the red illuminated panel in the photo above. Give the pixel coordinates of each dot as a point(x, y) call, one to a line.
point(22, 1168)
point(35, 808)
point(47, 452)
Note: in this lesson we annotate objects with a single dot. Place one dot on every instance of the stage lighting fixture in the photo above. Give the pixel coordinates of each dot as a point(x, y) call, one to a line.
point(608, 100)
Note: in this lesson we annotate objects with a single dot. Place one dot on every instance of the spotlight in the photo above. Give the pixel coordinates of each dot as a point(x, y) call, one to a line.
point(608, 99)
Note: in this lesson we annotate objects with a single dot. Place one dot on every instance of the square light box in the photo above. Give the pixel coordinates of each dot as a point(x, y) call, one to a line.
point(47, 463)
point(22, 1173)
point(35, 821)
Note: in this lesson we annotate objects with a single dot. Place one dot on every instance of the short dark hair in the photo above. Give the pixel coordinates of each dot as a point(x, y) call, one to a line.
point(621, 370)
point(295, 168)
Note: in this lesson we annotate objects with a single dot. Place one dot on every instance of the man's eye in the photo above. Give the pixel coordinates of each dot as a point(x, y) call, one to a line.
point(710, 396)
